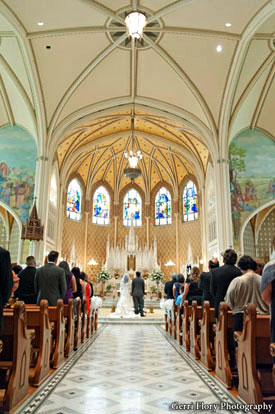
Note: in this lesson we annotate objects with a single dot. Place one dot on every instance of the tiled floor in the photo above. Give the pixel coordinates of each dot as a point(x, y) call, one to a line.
point(134, 369)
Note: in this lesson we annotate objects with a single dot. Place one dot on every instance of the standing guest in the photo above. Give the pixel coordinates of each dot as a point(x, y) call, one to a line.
point(243, 290)
point(260, 266)
point(191, 288)
point(78, 293)
point(204, 282)
point(50, 281)
point(86, 289)
point(6, 280)
point(176, 287)
point(70, 282)
point(138, 289)
point(222, 276)
point(168, 288)
point(26, 290)
point(268, 293)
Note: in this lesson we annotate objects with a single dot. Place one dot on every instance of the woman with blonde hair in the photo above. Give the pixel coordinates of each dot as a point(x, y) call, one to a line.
point(191, 289)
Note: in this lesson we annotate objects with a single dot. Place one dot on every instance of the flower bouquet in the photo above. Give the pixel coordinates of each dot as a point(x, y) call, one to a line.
point(157, 276)
point(103, 275)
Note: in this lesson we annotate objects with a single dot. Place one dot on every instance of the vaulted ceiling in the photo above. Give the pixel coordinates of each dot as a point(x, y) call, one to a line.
point(74, 81)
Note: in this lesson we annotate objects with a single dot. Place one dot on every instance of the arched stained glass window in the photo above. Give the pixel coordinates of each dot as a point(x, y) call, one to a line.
point(163, 214)
point(101, 206)
point(132, 205)
point(190, 202)
point(74, 200)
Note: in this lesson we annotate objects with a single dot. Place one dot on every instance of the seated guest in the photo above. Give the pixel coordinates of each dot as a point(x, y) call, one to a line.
point(222, 276)
point(70, 282)
point(260, 266)
point(204, 282)
point(50, 281)
point(177, 285)
point(191, 288)
point(26, 277)
point(243, 290)
point(268, 293)
point(178, 301)
point(168, 288)
point(78, 293)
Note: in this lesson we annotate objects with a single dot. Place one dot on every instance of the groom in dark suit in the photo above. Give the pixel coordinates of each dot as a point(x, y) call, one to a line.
point(138, 288)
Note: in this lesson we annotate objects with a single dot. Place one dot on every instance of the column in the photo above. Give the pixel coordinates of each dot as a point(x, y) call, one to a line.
point(86, 214)
point(204, 230)
point(147, 220)
point(176, 218)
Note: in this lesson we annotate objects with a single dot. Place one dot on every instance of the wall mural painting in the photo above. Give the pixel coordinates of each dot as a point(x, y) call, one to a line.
point(252, 175)
point(17, 169)
point(163, 207)
point(101, 205)
point(132, 209)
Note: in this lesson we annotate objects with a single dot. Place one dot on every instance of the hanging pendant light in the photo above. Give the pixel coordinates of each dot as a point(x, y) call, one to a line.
point(133, 157)
point(135, 22)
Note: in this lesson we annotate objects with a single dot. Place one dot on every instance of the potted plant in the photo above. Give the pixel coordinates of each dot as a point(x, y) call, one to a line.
point(157, 276)
point(103, 276)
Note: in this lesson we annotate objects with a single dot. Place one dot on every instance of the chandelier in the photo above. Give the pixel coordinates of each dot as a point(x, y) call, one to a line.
point(135, 22)
point(132, 156)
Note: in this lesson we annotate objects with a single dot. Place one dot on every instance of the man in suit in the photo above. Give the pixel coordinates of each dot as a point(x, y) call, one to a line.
point(26, 290)
point(204, 282)
point(50, 281)
point(222, 276)
point(138, 288)
point(6, 280)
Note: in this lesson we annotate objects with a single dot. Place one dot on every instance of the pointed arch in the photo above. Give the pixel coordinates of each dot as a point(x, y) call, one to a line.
point(74, 200)
point(101, 206)
point(132, 208)
point(190, 202)
point(163, 207)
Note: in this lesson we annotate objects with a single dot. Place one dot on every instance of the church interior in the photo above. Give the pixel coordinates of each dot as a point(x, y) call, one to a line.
point(137, 135)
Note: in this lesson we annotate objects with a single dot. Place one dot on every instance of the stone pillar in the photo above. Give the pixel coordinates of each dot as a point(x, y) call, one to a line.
point(204, 230)
point(224, 218)
point(86, 239)
point(176, 216)
point(116, 213)
point(147, 219)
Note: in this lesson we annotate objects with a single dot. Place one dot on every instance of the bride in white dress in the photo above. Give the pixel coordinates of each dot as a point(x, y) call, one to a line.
point(124, 308)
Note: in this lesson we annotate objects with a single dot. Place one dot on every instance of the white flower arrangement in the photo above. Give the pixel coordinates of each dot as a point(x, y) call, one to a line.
point(103, 275)
point(96, 302)
point(157, 276)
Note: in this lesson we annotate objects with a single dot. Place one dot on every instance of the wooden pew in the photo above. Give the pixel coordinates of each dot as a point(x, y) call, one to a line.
point(185, 326)
point(15, 357)
point(174, 322)
point(89, 322)
point(224, 344)
point(272, 353)
point(95, 323)
point(56, 314)
point(207, 336)
point(179, 326)
point(194, 328)
point(254, 361)
point(38, 320)
point(84, 321)
point(69, 327)
point(78, 323)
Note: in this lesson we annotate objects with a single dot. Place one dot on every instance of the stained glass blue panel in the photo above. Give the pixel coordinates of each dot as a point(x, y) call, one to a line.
point(190, 202)
point(132, 208)
point(74, 200)
point(163, 214)
point(101, 206)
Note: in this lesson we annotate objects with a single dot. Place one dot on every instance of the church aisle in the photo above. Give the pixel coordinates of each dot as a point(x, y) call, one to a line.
point(131, 369)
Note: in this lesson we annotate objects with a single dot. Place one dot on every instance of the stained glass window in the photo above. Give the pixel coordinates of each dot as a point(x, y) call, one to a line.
point(163, 207)
point(101, 206)
point(132, 208)
point(74, 200)
point(190, 202)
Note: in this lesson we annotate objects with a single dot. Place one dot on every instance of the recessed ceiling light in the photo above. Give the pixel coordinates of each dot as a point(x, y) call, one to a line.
point(228, 24)
point(40, 23)
point(219, 48)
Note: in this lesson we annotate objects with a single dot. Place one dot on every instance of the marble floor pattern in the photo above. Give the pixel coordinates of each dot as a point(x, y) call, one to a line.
point(132, 369)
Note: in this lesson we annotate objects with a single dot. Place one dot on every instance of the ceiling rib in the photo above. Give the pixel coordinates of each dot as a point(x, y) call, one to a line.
point(194, 32)
point(80, 79)
point(104, 10)
point(6, 101)
point(71, 31)
point(168, 9)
